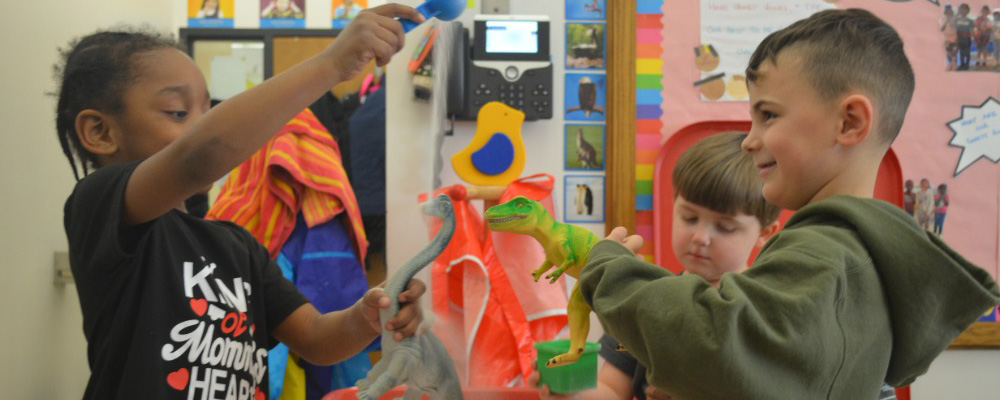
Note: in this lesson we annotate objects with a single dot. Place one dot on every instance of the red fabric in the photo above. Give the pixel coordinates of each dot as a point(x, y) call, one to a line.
point(480, 315)
point(299, 169)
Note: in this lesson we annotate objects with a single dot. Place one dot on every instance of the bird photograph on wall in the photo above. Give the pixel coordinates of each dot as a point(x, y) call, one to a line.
point(585, 97)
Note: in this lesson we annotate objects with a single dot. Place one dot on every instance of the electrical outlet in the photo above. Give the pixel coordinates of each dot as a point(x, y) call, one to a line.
point(63, 275)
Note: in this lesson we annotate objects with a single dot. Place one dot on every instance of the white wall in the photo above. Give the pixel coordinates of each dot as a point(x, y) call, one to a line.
point(960, 375)
point(43, 354)
point(410, 144)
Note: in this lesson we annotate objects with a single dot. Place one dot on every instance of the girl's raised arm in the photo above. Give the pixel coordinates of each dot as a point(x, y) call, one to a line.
point(232, 131)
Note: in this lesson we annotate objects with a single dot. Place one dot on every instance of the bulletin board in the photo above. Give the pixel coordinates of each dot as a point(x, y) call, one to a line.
point(951, 134)
point(258, 54)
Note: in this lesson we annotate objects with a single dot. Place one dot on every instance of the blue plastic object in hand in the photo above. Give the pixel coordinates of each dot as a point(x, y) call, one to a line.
point(445, 10)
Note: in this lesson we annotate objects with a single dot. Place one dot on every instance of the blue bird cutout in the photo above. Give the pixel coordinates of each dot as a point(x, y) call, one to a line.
point(495, 156)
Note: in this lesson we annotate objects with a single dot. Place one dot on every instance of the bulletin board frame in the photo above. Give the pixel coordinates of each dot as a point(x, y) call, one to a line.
point(188, 36)
point(620, 208)
point(981, 335)
point(620, 124)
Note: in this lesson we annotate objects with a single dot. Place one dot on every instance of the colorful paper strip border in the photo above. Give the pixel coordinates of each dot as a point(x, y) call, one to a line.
point(649, 100)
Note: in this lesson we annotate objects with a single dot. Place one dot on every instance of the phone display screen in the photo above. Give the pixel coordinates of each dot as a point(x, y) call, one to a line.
point(511, 36)
point(511, 40)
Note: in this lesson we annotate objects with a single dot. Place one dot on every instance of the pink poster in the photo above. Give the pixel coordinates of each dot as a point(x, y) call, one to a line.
point(951, 136)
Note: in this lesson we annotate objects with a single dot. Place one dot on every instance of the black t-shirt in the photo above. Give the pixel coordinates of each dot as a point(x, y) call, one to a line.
point(172, 306)
point(625, 363)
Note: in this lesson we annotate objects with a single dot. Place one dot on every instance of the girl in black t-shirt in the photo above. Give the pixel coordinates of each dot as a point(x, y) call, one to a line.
point(133, 102)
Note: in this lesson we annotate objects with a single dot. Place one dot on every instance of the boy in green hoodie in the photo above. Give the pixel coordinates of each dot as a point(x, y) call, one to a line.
point(852, 292)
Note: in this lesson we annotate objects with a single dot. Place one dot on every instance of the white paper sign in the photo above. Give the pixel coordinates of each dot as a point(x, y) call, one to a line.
point(977, 132)
point(731, 30)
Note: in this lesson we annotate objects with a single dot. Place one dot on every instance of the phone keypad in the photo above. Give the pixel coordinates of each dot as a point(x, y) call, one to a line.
point(531, 93)
point(511, 94)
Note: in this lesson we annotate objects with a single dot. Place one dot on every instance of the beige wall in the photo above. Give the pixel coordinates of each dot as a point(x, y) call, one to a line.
point(43, 354)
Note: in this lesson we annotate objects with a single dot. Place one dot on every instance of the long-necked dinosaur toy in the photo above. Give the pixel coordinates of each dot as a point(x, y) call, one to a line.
point(566, 248)
point(420, 361)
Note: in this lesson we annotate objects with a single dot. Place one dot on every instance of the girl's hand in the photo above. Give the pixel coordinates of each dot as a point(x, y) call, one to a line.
point(406, 322)
point(374, 34)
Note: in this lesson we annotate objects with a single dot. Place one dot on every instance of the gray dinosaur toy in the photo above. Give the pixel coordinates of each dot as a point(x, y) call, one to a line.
point(420, 361)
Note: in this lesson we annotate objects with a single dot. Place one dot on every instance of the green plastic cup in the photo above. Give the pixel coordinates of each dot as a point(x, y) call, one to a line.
point(581, 375)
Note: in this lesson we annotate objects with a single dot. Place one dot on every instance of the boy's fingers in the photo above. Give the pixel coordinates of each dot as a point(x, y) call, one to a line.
point(393, 10)
point(633, 242)
point(618, 234)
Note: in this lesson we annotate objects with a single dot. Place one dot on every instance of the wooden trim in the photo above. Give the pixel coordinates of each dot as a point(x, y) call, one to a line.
point(981, 335)
point(187, 37)
point(620, 191)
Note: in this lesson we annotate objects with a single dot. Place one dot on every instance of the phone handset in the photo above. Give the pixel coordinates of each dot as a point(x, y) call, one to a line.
point(445, 10)
point(457, 69)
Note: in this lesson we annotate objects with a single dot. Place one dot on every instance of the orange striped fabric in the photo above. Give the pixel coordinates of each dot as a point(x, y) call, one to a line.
point(299, 169)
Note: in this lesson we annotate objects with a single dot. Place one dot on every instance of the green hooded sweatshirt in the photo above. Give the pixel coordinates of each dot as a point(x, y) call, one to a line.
point(851, 293)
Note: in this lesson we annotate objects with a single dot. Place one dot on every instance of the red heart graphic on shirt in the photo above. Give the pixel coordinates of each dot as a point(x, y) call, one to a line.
point(257, 394)
point(178, 379)
point(199, 306)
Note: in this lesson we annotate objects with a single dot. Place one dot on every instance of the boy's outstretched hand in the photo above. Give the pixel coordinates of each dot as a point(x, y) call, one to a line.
point(405, 323)
point(374, 34)
point(620, 235)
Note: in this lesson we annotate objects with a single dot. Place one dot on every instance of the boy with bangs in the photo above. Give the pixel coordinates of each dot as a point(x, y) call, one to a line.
point(719, 218)
point(852, 292)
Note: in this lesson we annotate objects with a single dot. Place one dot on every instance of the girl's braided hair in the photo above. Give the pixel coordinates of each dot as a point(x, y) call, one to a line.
point(93, 73)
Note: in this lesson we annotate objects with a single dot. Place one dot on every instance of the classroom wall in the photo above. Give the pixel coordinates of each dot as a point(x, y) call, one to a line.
point(956, 374)
point(247, 13)
point(410, 143)
point(43, 354)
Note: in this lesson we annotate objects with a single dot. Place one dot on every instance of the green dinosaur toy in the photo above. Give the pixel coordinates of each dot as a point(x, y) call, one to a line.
point(566, 248)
